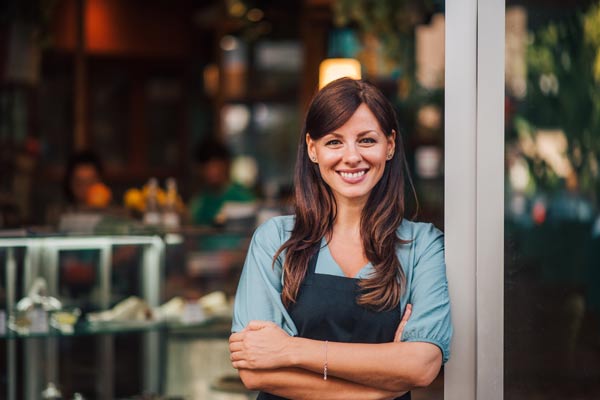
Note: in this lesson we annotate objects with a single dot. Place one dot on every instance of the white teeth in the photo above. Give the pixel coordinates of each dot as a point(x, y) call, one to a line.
point(352, 174)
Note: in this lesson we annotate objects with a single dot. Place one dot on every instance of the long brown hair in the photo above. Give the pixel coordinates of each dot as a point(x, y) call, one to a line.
point(316, 208)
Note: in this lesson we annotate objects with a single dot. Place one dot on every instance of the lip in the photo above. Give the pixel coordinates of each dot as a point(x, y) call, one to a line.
point(353, 179)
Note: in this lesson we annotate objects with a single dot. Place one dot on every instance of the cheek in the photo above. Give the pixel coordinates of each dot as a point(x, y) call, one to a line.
point(376, 157)
point(327, 174)
point(328, 159)
point(323, 171)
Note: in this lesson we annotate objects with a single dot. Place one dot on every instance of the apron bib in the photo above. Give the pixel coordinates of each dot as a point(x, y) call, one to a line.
point(326, 309)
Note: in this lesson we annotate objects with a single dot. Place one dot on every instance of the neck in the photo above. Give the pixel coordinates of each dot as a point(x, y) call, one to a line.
point(348, 217)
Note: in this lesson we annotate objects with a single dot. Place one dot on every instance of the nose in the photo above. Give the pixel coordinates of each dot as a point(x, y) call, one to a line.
point(352, 155)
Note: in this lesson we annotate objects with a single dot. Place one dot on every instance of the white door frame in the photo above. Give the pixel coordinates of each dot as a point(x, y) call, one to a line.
point(474, 196)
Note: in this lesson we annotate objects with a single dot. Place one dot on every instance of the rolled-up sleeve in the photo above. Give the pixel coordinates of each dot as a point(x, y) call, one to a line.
point(430, 320)
point(258, 295)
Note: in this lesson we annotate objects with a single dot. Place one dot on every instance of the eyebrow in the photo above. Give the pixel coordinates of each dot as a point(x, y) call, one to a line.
point(360, 134)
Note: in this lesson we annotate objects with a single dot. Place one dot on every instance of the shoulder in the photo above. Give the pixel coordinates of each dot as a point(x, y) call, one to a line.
point(418, 231)
point(275, 231)
point(425, 239)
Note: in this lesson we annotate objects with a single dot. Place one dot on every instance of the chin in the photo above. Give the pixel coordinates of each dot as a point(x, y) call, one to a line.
point(362, 196)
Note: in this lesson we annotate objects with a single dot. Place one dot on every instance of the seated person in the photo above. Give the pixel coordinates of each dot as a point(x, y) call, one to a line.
point(213, 165)
point(84, 169)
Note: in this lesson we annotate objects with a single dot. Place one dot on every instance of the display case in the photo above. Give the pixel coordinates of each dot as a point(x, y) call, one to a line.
point(112, 316)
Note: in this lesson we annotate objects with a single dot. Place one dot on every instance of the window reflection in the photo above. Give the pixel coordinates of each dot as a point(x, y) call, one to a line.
point(552, 305)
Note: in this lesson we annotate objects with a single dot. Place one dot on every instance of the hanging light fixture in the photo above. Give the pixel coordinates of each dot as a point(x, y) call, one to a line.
point(331, 69)
point(343, 45)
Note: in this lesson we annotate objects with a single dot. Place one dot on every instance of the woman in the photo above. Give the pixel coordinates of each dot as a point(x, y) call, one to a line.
point(318, 312)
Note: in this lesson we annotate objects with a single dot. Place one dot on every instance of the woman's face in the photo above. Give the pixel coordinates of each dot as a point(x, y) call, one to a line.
point(84, 176)
point(352, 158)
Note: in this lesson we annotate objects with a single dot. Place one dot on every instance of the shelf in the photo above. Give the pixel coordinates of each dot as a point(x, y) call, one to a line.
point(214, 327)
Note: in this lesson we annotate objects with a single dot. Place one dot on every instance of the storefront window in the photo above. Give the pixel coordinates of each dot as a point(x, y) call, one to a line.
point(552, 226)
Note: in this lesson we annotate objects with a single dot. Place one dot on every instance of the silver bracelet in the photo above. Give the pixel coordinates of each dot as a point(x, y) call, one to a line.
point(325, 365)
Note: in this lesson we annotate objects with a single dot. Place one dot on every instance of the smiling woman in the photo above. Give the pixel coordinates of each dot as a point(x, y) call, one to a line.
point(345, 299)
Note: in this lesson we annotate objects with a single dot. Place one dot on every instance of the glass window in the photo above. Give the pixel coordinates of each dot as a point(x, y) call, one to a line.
point(552, 235)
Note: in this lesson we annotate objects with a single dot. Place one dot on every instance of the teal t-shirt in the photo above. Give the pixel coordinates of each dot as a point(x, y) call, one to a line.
point(205, 207)
point(258, 295)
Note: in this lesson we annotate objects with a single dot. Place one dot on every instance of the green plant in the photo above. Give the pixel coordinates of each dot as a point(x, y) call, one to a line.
point(563, 92)
point(392, 22)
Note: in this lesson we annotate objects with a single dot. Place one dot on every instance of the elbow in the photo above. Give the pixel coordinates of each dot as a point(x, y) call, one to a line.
point(425, 375)
point(421, 370)
point(423, 381)
point(250, 379)
point(419, 379)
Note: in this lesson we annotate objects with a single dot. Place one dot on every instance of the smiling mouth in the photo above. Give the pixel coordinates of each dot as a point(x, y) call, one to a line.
point(352, 175)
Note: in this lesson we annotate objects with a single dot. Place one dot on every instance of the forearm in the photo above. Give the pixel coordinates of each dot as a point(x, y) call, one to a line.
point(396, 366)
point(294, 383)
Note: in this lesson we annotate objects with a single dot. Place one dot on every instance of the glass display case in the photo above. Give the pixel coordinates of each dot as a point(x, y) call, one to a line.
point(112, 316)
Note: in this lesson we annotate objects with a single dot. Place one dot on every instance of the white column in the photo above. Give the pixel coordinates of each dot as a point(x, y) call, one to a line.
point(460, 194)
point(490, 199)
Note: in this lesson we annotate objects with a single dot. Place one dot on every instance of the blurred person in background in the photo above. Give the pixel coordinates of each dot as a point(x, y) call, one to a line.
point(83, 170)
point(82, 187)
point(213, 166)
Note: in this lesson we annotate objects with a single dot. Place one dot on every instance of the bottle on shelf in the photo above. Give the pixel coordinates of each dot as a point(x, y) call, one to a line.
point(152, 212)
point(170, 216)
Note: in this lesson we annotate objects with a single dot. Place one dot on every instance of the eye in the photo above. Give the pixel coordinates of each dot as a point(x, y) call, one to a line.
point(333, 142)
point(368, 140)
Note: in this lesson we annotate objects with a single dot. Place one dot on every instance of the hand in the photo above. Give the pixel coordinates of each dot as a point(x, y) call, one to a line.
point(260, 345)
point(405, 317)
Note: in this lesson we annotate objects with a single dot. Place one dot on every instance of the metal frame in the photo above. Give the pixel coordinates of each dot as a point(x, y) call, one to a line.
point(474, 193)
point(43, 253)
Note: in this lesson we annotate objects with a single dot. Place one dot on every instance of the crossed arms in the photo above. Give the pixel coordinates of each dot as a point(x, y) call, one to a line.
point(270, 360)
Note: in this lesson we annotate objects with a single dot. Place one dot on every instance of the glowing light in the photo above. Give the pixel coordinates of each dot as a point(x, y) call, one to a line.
point(428, 160)
point(236, 118)
point(538, 213)
point(228, 43)
point(237, 9)
point(518, 175)
point(211, 79)
point(552, 146)
point(255, 15)
point(335, 68)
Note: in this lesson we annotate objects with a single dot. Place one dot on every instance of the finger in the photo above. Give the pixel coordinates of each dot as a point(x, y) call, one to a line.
point(407, 312)
point(236, 337)
point(236, 346)
point(405, 317)
point(236, 356)
point(398, 333)
point(242, 364)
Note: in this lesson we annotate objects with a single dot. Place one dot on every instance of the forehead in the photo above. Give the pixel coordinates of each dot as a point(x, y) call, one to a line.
point(363, 119)
point(85, 170)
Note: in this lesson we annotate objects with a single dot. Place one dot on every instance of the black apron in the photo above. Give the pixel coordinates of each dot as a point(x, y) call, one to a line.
point(326, 309)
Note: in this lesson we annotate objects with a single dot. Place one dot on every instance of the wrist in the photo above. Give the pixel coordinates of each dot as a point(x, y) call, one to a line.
point(297, 352)
point(292, 354)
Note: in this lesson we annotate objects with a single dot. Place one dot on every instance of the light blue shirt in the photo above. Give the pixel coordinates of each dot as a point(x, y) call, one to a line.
point(259, 292)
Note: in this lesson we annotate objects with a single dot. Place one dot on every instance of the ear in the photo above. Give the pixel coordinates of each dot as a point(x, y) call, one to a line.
point(391, 142)
point(310, 147)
